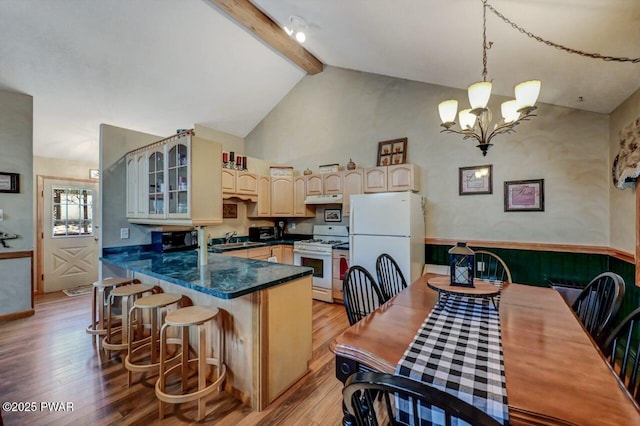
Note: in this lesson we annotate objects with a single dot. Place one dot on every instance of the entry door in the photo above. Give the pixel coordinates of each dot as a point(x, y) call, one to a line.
point(70, 243)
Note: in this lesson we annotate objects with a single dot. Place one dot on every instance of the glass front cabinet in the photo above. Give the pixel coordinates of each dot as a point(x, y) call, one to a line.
point(175, 181)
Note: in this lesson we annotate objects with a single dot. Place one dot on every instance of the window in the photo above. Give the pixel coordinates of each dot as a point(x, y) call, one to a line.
point(72, 212)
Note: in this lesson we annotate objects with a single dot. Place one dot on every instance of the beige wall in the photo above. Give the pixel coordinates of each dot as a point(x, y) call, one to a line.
point(622, 202)
point(62, 168)
point(341, 114)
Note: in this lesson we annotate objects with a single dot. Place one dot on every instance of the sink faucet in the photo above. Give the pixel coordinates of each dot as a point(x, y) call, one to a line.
point(228, 236)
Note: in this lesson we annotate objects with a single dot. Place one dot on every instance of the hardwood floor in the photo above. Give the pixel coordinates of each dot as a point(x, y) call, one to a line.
point(49, 358)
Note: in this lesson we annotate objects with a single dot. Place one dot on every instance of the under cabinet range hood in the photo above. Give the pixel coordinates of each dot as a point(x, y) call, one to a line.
point(324, 199)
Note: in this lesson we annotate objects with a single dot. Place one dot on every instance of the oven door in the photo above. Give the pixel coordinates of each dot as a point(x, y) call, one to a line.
point(322, 279)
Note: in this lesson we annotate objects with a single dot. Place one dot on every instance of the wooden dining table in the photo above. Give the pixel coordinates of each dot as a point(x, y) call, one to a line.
point(555, 374)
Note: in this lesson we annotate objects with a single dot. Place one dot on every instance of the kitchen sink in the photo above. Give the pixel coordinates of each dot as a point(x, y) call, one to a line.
point(238, 245)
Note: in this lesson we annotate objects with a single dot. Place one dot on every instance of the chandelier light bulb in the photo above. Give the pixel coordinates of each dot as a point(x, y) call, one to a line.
point(479, 94)
point(448, 110)
point(467, 120)
point(296, 29)
point(301, 37)
point(527, 93)
point(510, 111)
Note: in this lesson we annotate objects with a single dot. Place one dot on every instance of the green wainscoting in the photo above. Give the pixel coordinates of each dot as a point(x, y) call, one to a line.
point(537, 267)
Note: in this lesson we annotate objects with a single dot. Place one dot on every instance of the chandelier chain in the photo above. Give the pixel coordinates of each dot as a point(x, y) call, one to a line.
point(556, 45)
point(484, 40)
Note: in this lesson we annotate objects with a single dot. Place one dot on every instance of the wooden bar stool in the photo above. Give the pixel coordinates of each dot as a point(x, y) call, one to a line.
point(143, 351)
point(184, 318)
point(126, 294)
point(98, 314)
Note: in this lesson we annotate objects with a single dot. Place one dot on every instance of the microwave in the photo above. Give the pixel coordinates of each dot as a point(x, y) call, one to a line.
point(174, 240)
point(262, 233)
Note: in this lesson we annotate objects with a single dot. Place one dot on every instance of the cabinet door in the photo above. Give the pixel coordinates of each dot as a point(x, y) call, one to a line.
point(246, 183)
point(277, 252)
point(300, 209)
point(332, 183)
point(156, 178)
point(401, 177)
point(132, 185)
point(352, 183)
point(179, 179)
point(264, 196)
point(375, 179)
point(259, 253)
point(142, 185)
point(228, 181)
point(282, 196)
point(287, 254)
point(314, 185)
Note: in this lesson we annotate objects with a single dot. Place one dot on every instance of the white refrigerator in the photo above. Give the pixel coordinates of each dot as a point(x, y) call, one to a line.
point(392, 223)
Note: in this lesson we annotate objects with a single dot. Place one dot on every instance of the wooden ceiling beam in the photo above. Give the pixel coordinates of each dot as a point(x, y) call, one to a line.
point(245, 13)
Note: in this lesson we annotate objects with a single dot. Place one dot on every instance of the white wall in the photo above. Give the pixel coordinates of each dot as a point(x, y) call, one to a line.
point(341, 114)
point(16, 156)
point(622, 202)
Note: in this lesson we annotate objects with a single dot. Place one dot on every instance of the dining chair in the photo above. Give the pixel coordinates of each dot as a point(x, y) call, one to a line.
point(390, 276)
point(358, 397)
point(489, 266)
point(361, 293)
point(598, 304)
point(622, 349)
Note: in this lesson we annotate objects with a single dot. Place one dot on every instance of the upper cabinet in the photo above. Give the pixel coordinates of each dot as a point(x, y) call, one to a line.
point(353, 183)
point(332, 183)
point(239, 184)
point(262, 207)
point(314, 184)
point(300, 209)
point(399, 177)
point(175, 181)
point(281, 196)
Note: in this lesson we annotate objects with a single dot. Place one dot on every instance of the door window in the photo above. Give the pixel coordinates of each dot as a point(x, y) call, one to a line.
point(72, 214)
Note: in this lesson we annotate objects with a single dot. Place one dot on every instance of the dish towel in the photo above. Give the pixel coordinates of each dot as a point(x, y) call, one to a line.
point(458, 349)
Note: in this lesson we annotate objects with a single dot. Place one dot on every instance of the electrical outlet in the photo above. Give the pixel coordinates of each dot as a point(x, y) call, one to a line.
point(124, 233)
point(480, 267)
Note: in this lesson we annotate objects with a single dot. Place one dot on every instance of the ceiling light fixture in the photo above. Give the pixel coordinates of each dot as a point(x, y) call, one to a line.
point(296, 29)
point(475, 122)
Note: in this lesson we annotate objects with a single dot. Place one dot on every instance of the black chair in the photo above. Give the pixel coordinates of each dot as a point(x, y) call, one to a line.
point(493, 267)
point(358, 398)
point(598, 304)
point(361, 293)
point(622, 349)
point(390, 276)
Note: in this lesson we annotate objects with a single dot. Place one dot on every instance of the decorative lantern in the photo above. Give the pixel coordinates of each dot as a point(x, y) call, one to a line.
point(461, 259)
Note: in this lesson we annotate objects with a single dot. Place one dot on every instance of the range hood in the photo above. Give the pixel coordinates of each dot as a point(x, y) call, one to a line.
point(324, 199)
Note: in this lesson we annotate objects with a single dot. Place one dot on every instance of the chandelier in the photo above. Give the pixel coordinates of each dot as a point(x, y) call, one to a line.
point(475, 122)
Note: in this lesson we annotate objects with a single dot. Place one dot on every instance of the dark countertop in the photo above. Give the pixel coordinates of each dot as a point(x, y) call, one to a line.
point(225, 277)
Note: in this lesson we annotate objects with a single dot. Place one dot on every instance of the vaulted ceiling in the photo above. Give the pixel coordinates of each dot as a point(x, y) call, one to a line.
point(159, 65)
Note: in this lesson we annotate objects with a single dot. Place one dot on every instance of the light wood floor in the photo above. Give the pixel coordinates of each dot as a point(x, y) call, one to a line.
point(49, 358)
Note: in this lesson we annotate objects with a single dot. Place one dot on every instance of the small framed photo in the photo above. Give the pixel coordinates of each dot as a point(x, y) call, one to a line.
point(393, 151)
point(332, 215)
point(524, 195)
point(475, 180)
point(9, 182)
point(229, 211)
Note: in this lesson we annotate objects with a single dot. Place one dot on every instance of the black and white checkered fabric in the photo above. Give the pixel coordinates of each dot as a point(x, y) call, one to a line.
point(458, 349)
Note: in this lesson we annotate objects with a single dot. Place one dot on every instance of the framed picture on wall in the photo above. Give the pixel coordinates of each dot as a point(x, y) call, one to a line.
point(475, 180)
point(393, 151)
point(332, 215)
point(9, 182)
point(524, 195)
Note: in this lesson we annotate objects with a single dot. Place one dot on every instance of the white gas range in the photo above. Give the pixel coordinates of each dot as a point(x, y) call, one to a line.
point(316, 254)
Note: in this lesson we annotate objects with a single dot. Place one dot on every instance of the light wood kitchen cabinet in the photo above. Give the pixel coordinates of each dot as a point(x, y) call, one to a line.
point(352, 183)
point(176, 181)
point(282, 196)
point(399, 177)
point(300, 209)
point(261, 207)
point(287, 254)
point(239, 184)
point(337, 255)
point(332, 183)
point(259, 253)
point(314, 184)
point(277, 252)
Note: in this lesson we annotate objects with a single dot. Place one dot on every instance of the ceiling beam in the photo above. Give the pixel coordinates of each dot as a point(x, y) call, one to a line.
point(245, 13)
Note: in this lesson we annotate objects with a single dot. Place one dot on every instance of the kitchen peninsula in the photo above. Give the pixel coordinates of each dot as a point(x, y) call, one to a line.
point(266, 312)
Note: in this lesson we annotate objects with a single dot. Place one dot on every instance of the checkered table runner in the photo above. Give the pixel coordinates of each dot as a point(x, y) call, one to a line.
point(458, 349)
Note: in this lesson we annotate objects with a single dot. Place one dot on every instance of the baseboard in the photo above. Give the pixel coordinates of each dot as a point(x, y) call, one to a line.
point(17, 315)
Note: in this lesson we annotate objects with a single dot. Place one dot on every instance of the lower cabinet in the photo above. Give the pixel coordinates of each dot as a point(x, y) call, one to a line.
point(287, 254)
point(339, 257)
point(283, 253)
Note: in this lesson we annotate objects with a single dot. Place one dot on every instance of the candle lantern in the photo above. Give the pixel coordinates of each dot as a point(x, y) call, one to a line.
point(462, 261)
